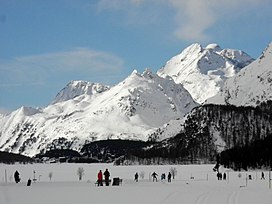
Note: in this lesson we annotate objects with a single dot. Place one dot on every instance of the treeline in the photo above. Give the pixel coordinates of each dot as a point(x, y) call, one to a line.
point(257, 154)
point(110, 150)
point(11, 158)
point(181, 149)
point(197, 143)
point(64, 155)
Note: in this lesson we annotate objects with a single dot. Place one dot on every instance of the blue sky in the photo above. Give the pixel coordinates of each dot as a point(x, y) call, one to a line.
point(44, 44)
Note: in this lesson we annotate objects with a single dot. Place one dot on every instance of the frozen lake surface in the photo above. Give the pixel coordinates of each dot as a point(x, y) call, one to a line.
point(193, 184)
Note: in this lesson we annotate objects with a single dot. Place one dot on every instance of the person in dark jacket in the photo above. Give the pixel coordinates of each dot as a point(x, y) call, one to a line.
point(224, 176)
point(107, 177)
point(154, 175)
point(163, 177)
point(17, 177)
point(169, 177)
point(262, 176)
point(99, 178)
point(136, 176)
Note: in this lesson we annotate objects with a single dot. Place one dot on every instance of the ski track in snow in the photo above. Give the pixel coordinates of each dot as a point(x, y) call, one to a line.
point(169, 197)
point(201, 199)
point(233, 198)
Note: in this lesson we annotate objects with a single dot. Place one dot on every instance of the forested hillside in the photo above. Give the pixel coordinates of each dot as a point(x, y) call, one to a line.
point(207, 131)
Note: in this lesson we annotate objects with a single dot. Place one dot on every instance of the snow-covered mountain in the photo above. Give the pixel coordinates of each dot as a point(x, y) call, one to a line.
point(77, 88)
point(203, 71)
point(252, 85)
point(143, 106)
point(84, 112)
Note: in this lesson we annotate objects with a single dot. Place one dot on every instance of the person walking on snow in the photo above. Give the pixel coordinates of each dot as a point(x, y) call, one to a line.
point(169, 177)
point(136, 176)
point(154, 175)
point(262, 176)
point(99, 178)
point(17, 177)
point(107, 177)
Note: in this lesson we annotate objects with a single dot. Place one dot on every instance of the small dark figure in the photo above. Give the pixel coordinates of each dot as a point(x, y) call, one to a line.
point(154, 175)
point(136, 176)
point(216, 167)
point(115, 181)
point(28, 182)
point(163, 176)
point(17, 177)
point(99, 178)
point(107, 177)
point(219, 176)
point(224, 176)
point(169, 177)
point(262, 176)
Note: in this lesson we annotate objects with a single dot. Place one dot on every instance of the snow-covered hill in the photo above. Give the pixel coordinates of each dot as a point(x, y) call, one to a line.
point(252, 85)
point(203, 71)
point(84, 112)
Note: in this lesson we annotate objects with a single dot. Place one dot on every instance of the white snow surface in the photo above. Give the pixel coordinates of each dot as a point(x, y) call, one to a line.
point(193, 184)
point(252, 85)
point(132, 109)
point(203, 70)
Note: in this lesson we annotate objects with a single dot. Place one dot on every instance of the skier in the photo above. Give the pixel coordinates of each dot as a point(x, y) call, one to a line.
point(136, 176)
point(224, 176)
point(169, 177)
point(107, 177)
point(154, 175)
point(262, 176)
point(219, 176)
point(17, 177)
point(99, 178)
point(216, 167)
point(163, 176)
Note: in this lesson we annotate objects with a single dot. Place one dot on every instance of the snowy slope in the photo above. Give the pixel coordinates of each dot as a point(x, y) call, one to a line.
point(251, 85)
point(202, 71)
point(130, 110)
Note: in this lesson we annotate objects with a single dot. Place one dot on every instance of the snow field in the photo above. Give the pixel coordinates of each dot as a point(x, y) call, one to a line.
point(65, 187)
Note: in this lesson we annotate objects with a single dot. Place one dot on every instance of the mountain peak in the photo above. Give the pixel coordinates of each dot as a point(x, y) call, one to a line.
point(213, 46)
point(202, 71)
point(267, 51)
point(193, 49)
point(28, 111)
point(251, 86)
point(77, 88)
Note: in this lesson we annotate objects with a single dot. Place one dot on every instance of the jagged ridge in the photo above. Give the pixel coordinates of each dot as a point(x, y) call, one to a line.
point(129, 110)
point(251, 86)
point(202, 71)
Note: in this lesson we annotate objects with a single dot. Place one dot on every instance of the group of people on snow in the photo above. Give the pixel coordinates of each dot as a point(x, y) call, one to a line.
point(221, 176)
point(154, 176)
point(106, 177)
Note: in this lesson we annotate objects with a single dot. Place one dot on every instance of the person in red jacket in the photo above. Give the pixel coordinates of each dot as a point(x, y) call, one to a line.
point(99, 178)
